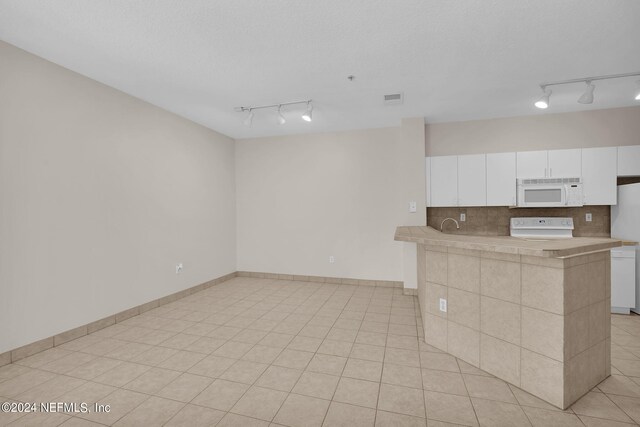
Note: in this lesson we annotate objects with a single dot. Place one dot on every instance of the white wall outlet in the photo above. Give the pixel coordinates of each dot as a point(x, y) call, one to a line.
point(588, 217)
point(332, 259)
point(463, 217)
point(413, 207)
point(179, 268)
point(443, 305)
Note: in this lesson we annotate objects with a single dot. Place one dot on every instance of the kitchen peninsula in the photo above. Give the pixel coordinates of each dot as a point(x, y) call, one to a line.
point(533, 313)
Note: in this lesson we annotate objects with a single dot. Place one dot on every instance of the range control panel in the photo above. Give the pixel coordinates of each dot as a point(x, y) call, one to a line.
point(542, 227)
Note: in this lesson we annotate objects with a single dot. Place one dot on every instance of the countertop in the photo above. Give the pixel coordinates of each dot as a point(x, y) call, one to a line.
point(506, 244)
point(627, 242)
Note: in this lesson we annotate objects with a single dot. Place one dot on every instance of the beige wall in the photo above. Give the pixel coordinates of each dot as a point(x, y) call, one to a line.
point(595, 128)
point(101, 195)
point(303, 198)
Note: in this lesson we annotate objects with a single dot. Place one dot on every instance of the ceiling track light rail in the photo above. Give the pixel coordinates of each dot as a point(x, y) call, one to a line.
point(587, 96)
point(306, 116)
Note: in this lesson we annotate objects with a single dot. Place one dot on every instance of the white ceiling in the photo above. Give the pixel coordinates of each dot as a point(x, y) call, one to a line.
point(454, 60)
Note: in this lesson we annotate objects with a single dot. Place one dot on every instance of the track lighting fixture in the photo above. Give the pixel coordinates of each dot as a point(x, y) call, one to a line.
point(587, 96)
point(543, 102)
point(249, 119)
point(281, 118)
point(306, 116)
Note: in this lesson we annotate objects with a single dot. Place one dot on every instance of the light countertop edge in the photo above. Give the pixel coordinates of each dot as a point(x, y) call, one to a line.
point(506, 244)
point(626, 242)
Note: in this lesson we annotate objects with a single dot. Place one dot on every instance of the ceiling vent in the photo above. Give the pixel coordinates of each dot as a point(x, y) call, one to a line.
point(394, 99)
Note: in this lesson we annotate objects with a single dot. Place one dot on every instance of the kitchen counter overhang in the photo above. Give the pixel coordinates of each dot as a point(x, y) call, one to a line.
point(533, 313)
point(557, 248)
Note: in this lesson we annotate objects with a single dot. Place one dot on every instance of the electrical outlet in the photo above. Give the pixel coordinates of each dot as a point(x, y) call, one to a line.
point(332, 259)
point(463, 217)
point(443, 305)
point(588, 217)
point(413, 207)
point(179, 268)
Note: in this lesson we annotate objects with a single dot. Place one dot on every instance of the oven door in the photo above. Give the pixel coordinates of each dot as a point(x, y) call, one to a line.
point(541, 196)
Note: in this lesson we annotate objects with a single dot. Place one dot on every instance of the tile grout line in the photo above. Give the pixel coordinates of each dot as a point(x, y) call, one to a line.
point(424, 398)
point(271, 364)
point(314, 354)
point(252, 384)
point(475, 413)
point(229, 367)
point(181, 373)
point(345, 363)
point(326, 300)
point(617, 406)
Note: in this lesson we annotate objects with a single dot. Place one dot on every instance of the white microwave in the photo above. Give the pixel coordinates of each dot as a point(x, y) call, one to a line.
point(549, 192)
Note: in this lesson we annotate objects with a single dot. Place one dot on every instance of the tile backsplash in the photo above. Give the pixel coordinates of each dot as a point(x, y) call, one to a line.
point(494, 221)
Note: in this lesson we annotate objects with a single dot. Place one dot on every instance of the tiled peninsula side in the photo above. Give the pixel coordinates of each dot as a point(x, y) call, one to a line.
point(535, 314)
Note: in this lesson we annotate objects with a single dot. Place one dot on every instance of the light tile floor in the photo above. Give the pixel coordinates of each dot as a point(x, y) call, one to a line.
point(257, 352)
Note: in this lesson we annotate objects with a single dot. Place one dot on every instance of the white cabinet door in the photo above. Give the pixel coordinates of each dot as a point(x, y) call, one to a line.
point(623, 279)
point(501, 179)
point(427, 169)
point(472, 180)
point(444, 181)
point(565, 163)
point(599, 176)
point(629, 160)
point(532, 164)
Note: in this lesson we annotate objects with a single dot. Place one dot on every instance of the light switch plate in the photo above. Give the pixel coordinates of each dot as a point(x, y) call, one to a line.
point(463, 217)
point(413, 207)
point(588, 217)
point(443, 305)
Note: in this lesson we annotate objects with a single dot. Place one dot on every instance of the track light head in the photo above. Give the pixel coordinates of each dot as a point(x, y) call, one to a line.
point(249, 119)
point(307, 115)
point(281, 118)
point(587, 96)
point(637, 97)
point(543, 102)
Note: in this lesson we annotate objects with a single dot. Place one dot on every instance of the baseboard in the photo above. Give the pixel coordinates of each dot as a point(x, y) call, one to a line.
point(321, 279)
point(63, 337)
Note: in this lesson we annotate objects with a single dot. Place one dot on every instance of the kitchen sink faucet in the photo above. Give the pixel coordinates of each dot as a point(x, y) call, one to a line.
point(446, 219)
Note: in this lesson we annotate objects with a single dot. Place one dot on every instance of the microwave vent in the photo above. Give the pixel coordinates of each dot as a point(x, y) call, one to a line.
point(551, 181)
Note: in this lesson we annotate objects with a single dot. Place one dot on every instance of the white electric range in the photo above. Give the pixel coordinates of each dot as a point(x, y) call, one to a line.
point(542, 228)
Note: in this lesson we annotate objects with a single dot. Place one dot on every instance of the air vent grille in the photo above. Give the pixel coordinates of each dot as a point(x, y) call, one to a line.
point(551, 181)
point(393, 98)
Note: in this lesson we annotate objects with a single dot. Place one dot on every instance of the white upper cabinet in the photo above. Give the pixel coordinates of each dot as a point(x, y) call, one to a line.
point(629, 160)
point(490, 179)
point(427, 169)
point(532, 164)
point(444, 181)
point(599, 176)
point(565, 163)
point(472, 184)
point(501, 179)
point(549, 164)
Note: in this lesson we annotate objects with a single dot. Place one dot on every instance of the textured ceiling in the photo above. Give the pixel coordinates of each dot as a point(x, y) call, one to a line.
point(454, 60)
